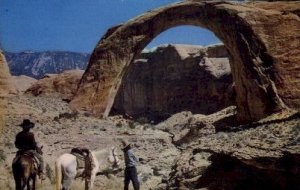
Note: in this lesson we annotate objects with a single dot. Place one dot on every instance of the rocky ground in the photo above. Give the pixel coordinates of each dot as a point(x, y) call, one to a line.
point(59, 129)
point(185, 151)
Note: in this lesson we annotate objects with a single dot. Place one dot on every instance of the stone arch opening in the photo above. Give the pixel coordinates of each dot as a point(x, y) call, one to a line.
point(193, 35)
point(246, 31)
point(171, 75)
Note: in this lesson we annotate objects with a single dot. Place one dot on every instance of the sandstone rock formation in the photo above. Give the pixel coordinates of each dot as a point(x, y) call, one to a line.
point(63, 84)
point(6, 85)
point(22, 83)
point(173, 78)
point(263, 41)
point(261, 155)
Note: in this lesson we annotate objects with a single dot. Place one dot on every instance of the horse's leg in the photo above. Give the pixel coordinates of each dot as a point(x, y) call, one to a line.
point(23, 183)
point(18, 183)
point(17, 176)
point(33, 181)
point(18, 180)
point(28, 183)
point(26, 178)
point(67, 180)
point(93, 176)
point(86, 184)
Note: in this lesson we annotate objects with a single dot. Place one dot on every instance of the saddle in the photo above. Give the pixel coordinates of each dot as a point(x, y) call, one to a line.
point(28, 153)
point(84, 161)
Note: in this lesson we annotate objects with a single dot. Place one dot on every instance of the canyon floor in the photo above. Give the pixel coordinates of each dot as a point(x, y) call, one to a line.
point(186, 151)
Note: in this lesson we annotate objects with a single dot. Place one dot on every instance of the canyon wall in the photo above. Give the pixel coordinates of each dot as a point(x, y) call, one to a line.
point(174, 78)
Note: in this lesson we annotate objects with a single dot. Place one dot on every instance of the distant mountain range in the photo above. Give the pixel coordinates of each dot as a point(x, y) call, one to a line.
point(37, 64)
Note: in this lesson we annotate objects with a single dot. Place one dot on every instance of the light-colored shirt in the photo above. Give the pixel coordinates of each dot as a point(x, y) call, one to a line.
point(130, 159)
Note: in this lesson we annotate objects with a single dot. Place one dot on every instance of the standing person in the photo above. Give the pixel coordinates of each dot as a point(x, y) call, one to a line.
point(25, 141)
point(130, 166)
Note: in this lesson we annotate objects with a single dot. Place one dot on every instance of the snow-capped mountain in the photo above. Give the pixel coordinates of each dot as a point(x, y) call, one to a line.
point(36, 64)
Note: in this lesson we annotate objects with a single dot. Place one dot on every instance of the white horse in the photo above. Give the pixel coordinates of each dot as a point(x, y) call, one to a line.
point(66, 167)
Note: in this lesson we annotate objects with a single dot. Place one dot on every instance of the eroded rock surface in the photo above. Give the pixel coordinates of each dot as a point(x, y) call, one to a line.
point(263, 155)
point(22, 83)
point(64, 84)
point(6, 84)
point(264, 53)
point(173, 78)
point(185, 151)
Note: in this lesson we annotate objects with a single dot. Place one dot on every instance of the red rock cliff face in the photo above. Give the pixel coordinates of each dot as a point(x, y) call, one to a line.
point(63, 84)
point(174, 78)
point(263, 41)
point(283, 44)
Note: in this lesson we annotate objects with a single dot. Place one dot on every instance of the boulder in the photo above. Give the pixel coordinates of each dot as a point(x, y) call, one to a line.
point(63, 84)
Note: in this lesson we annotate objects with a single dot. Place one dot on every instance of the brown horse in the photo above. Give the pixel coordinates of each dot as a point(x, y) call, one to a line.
point(25, 171)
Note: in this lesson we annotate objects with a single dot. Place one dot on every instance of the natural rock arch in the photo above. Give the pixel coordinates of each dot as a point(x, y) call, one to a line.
point(256, 43)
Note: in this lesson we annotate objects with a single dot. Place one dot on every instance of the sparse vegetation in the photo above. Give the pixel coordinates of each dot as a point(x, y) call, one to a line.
point(119, 124)
point(67, 115)
point(9, 145)
point(87, 114)
point(131, 125)
point(49, 174)
point(2, 156)
point(143, 120)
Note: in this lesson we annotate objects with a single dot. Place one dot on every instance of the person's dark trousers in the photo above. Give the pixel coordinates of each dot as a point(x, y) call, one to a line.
point(131, 174)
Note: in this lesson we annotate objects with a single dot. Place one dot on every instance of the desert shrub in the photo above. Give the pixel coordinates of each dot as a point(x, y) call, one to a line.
point(2, 156)
point(149, 126)
point(87, 114)
point(119, 124)
point(142, 120)
point(131, 125)
point(56, 119)
point(67, 115)
point(9, 145)
point(49, 174)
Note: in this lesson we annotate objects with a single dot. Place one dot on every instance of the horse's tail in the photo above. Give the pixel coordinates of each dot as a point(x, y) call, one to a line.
point(58, 174)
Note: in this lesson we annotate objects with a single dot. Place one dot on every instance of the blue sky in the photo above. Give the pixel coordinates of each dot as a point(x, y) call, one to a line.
point(77, 25)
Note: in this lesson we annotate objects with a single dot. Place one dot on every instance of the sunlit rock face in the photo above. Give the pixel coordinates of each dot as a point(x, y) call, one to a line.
point(262, 39)
point(6, 84)
point(22, 82)
point(64, 84)
point(173, 78)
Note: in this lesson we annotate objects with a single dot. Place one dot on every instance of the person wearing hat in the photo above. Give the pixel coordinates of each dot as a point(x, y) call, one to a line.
point(25, 141)
point(130, 166)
